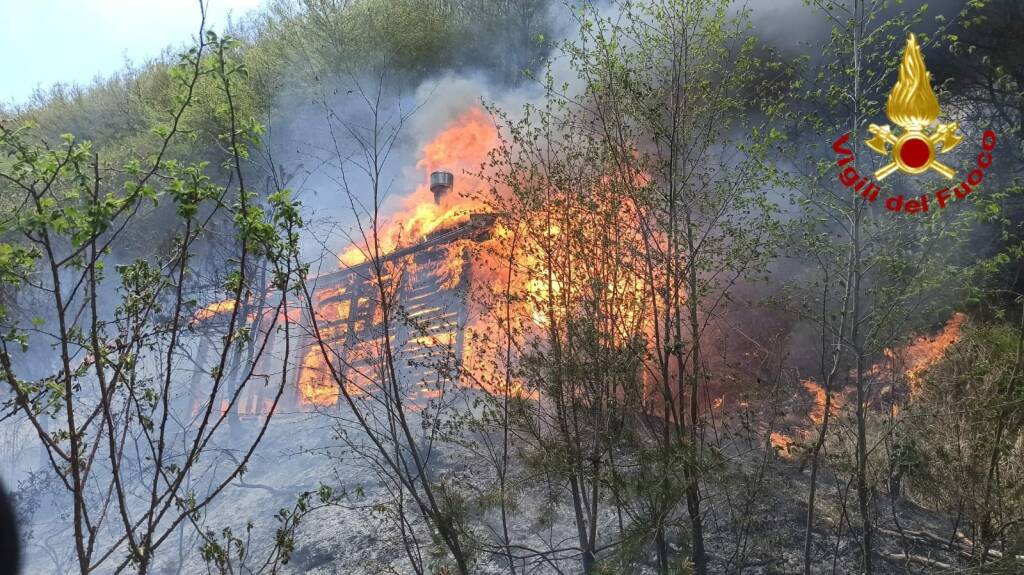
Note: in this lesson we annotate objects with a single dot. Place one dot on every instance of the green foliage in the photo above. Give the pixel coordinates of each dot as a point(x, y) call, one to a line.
point(112, 354)
point(979, 73)
point(227, 552)
point(965, 428)
point(322, 40)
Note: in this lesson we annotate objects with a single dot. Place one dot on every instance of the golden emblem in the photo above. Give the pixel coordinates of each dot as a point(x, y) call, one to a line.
point(913, 106)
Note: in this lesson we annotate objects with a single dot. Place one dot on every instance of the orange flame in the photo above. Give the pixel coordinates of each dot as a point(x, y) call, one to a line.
point(463, 144)
point(924, 352)
point(817, 413)
point(316, 384)
point(462, 147)
point(782, 442)
point(214, 309)
point(541, 300)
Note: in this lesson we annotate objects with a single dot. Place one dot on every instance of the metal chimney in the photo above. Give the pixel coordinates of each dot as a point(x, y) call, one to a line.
point(441, 183)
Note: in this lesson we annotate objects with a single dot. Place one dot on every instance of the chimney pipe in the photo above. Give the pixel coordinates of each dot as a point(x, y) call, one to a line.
point(441, 183)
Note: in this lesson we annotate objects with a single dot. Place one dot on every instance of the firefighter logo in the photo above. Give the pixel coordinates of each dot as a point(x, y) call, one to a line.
point(913, 107)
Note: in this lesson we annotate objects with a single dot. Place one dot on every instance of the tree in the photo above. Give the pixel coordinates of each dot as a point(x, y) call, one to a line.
point(668, 87)
point(379, 424)
point(109, 411)
point(637, 210)
point(573, 310)
point(875, 275)
point(964, 428)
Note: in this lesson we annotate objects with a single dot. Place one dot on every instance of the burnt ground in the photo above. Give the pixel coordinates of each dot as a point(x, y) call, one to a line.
point(754, 509)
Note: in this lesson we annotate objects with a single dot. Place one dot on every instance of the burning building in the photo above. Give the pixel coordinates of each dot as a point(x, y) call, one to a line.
point(427, 284)
point(424, 263)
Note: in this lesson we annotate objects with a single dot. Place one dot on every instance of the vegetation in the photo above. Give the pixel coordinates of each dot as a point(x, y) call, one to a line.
point(691, 348)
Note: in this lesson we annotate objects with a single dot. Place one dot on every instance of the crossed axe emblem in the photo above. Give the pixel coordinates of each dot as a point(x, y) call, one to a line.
point(913, 152)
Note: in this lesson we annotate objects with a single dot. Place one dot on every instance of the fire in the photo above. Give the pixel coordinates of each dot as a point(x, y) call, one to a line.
point(450, 270)
point(912, 359)
point(817, 413)
point(214, 309)
point(227, 306)
point(462, 147)
point(464, 142)
point(784, 443)
point(781, 442)
point(924, 352)
point(573, 230)
point(316, 384)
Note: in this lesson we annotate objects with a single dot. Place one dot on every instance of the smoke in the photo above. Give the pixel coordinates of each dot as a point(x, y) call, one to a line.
point(796, 29)
point(321, 131)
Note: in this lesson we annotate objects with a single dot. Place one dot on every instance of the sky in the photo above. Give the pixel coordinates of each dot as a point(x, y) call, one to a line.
point(44, 42)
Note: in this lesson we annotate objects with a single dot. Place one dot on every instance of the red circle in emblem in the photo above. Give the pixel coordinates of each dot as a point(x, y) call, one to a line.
point(915, 152)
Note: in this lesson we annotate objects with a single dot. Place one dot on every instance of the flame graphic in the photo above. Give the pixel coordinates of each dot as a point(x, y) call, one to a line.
point(912, 103)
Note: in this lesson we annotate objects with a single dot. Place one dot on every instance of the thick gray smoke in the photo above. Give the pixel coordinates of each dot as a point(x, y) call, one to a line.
point(319, 137)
